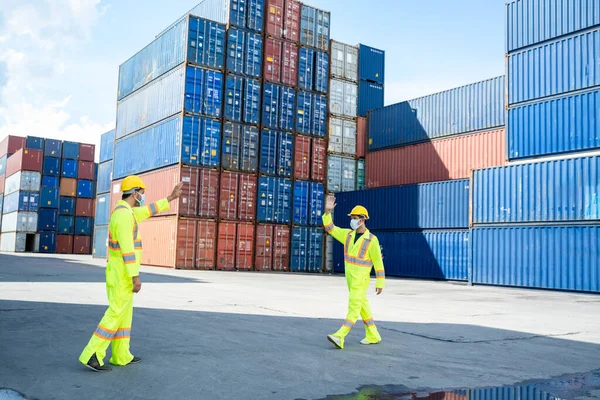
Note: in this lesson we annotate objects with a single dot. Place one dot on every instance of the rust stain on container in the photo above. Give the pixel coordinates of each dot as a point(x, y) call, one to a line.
point(68, 187)
point(206, 245)
point(302, 158)
point(319, 160)
point(439, 160)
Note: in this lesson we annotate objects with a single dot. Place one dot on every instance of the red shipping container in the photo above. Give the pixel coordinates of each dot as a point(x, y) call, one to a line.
point(272, 69)
point(291, 27)
point(160, 184)
point(169, 242)
point(319, 160)
point(361, 137)
point(208, 193)
point(289, 69)
point(281, 248)
point(86, 170)
point(206, 244)
point(302, 157)
point(185, 253)
point(247, 197)
point(226, 245)
point(228, 197)
point(439, 160)
point(25, 160)
point(275, 14)
point(84, 207)
point(11, 144)
point(2, 179)
point(82, 245)
point(64, 244)
point(264, 248)
point(244, 255)
point(87, 152)
point(68, 187)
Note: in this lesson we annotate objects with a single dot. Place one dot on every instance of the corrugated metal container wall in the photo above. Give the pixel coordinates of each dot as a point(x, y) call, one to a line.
point(13, 242)
point(86, 170)
point(306, 71)
point(53, 148)
point(103, 209)
point(21, 201)
point(440, 160)
point(287, 108)
point(49, 181)
point(563, 66)
point(206, 43)
point(343, 98)
point(470, 108)
point(438, 205)
point(256, 15)
point(67, 206)
point(321, 72)
point(281, 248)
point(533, 21)
point(23, 180)
point(302, 151)
point(550, 191)
point(83, 226)
point(240, 147)
point(428, 254)
point(304, 113)
point(289, 66)
point(268, 152)
point(371, 64)
point(274, 200)
point(308, 19)
point(292, 20)
point(254, 54)
point(273, 62)
point(348, 174)
point(104, 177)
point(370, 97)
point(169, 242)
point(236, 45)
point(85, 189)
point(318, 160)
point(307, 249)
point(234, 88)
point(68, 187)
point(317, 203)
point(11, 144)
point(252, 101)
point(360, 174)
point(344, 61)
point(226, 245)
point(34, 143)
point(301, 202)
point(100, 249)
point(264, 248)
point(319, 115)
point(21, 221)
point(341, 174)
point(48, 220)
point(25, 160)
point(342, 136)
point(270, 106)
point(51, 166)
point(69, 169)
point(361, 137)
point(322, 29)
point(107, 146)
point(556, 126)
point(275, 18)
point(49, 197)
point(285, 154)
point(83, 207)
point(71, 150)
point(64, 244)
point(555, 257)
point(244, 254)
point(207, 244)
point(82, 245)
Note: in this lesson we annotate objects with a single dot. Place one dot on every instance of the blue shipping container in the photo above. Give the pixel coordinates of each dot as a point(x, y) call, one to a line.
point(53, 148)
point(426, 254)
point(564, 125)
point(274, 200)
point(85, 189)
point(252, 101)
point(554, 68)
point(50, 181)
point(276, 153)
point(270, 107)
point(49, 197)
point(51, 166)
point(321, 83)
point(47, 242)
point(308, 21)
point(371, 64)
point(475, 107)
point(304, 112)
point(547, 257)
point(256, 15)
point(322, 30)
point(192, 140)
point(34, 143)
point(202, 92)
point(308, 203)
point(103, 210)
point(285, 154)
point(234, 86)
point(307, 249)
point(21, 201)
point(236, 45)
point(104, 177)
point(66, 206)
point(240, 147)
point(107, 146)
point(550, 191)
point(71, 150)
point(206, 43)
point(253, 56)
point(306, 68)
point(370, 97)
point(437, 205)
point(100, 249)
point(529, 22)
point(48, 219)
point(287, 108)
point(83, 226)
point(70, 168)
point(66, 225)
point(317, 203)
point(319, 116)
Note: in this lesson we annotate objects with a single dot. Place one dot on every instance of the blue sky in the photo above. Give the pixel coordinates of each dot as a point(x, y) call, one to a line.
point(59, 58)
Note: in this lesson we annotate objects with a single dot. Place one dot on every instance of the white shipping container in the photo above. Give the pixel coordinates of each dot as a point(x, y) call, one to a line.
point(343, 98)
point(348, 174)
point(28, 181)
point(341, 174)
point(344, 61)
point(14, 242)
point(20, 221)
point(349, 141)
point(336, 134)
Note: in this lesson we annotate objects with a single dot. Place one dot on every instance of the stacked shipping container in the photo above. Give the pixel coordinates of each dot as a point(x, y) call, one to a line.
point(535, 223)
point(103, 197)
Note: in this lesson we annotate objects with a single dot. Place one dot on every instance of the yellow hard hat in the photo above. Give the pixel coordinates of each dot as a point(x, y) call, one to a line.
point(131, 183)
point(359, 210)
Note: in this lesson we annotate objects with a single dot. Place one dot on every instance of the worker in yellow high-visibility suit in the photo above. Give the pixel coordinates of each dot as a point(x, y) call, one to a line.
point(122, 275)
point(361, 254)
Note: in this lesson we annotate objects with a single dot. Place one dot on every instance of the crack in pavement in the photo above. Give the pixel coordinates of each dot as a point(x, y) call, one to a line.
point(479, 341)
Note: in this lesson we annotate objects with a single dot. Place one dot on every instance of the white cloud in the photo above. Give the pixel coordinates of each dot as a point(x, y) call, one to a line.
point(39, 41)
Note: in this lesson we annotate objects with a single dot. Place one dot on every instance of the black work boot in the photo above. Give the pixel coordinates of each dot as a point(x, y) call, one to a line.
point(136, 360)
point(95, 366)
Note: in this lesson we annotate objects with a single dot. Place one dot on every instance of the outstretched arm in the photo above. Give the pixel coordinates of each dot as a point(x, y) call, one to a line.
point(338, 234)
point(145, 212)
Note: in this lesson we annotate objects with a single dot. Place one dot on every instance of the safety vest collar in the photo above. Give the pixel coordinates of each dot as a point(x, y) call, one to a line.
point(351, 244)
point(362, 258)
point(121, 204)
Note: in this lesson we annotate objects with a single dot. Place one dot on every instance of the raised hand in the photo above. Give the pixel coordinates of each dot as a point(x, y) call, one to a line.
point(330, 203)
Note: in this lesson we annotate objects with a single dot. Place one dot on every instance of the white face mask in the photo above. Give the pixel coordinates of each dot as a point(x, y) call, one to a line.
point(142, 198)
point(355, 224)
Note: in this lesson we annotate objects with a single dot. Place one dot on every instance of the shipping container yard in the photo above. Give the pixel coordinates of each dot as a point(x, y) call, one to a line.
point(482, 201)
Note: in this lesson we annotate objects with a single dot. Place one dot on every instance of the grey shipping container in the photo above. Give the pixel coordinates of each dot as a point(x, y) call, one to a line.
point(344, 61)
point(14, 242)
point(28, 181)
point(343, 98)
point(341, 174)
point(20, 221)
point(342, 136)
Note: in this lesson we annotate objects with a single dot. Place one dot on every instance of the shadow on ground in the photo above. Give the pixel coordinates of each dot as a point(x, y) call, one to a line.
point(201, 355)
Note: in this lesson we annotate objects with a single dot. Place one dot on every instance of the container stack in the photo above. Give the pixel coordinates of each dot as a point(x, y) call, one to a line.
point(48, 195)
point(238, 113)
point(103, 188)
point(535, 222)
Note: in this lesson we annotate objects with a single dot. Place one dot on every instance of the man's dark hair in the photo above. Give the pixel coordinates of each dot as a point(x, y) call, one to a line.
point(125, 196)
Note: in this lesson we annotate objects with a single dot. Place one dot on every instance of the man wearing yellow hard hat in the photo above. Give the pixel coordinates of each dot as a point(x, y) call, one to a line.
point(122, 275)
point(361, 254)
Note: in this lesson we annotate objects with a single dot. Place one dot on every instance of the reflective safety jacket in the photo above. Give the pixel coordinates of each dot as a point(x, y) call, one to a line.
point(359, 257)
point(124, 239)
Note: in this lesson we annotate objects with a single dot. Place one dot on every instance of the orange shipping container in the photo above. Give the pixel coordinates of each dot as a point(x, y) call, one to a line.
point(361, 137)
point(439, 160)
point(68, 187)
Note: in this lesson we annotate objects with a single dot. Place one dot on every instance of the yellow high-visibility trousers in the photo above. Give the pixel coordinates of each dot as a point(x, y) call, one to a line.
point(115, 327)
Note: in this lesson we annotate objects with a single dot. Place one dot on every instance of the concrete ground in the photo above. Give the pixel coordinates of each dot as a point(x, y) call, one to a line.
point(213, 335)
